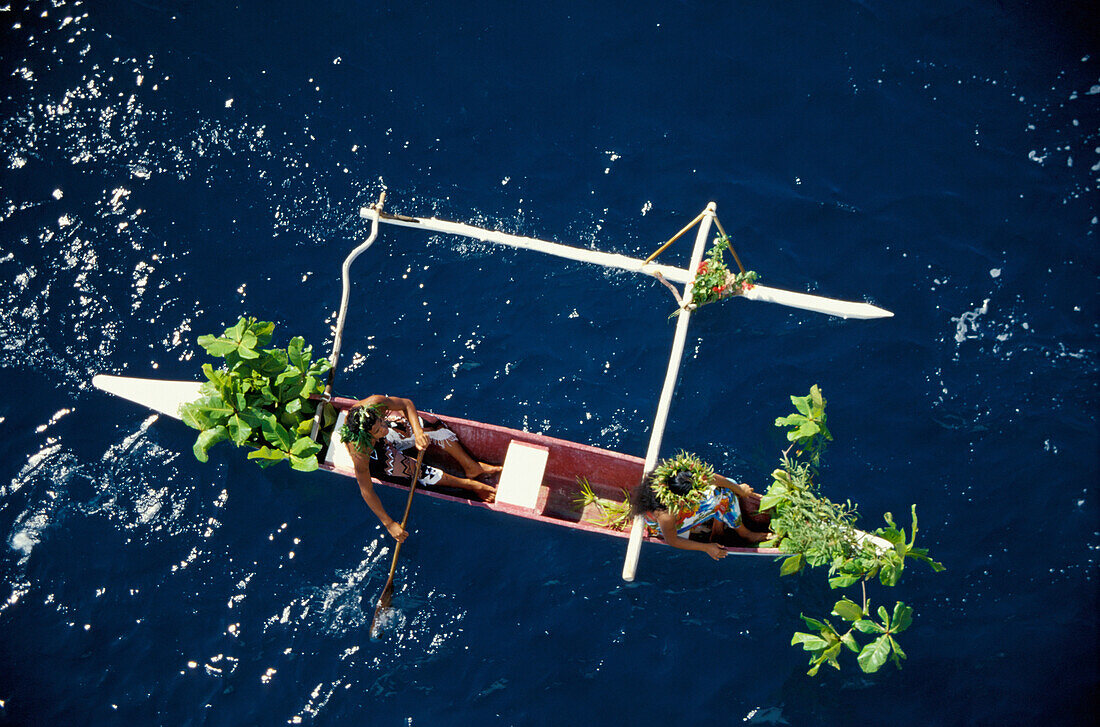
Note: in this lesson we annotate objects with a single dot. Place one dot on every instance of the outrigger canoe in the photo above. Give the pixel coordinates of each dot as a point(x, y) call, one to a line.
point(541, 477)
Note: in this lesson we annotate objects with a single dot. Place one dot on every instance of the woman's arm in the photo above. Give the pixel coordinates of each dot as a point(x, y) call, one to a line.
point(366, 489)
point(667, 522)
point(406, 407)
point(740, 488)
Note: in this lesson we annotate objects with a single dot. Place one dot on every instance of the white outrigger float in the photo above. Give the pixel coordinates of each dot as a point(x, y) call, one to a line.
point(540, 477)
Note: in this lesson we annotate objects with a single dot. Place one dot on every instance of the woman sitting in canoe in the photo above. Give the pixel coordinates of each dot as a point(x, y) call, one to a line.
point(684, 492)
point(380, 430)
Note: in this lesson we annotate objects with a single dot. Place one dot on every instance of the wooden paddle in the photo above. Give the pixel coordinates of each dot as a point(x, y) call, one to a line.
point(386, 598)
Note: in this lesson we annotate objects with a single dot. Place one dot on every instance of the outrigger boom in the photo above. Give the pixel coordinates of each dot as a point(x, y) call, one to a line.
point(805, 301)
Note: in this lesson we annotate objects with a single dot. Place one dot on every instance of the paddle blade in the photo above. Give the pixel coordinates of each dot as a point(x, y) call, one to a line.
point(384, 602)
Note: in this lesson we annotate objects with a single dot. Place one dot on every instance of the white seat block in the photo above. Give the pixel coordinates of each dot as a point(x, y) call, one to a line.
point(521, 478)
point(337, 454)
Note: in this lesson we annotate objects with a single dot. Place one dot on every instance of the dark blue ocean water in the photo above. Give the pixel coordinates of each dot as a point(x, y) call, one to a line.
point(166, 166)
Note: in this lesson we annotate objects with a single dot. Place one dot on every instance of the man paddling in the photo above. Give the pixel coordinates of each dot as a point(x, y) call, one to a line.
point(380, 430)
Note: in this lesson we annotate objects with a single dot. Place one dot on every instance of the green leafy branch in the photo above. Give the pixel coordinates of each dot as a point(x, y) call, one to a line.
point(806, 428)
point(817, 532)
point(825, 646)
point(260, 398)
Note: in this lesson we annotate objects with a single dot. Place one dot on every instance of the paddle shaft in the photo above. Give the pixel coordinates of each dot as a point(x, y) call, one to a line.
point(405, 517)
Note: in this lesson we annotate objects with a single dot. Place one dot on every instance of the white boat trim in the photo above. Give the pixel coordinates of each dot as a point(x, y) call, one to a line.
point(165, 397)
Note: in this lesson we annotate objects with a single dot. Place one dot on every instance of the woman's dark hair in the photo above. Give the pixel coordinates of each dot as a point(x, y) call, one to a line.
point(682, 483)
point(643, 499)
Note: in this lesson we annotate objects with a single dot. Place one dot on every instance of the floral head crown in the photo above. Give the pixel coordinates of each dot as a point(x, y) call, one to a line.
point(667, 470)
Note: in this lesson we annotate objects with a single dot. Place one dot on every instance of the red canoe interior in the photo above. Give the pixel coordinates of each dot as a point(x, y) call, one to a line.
point(608, 473)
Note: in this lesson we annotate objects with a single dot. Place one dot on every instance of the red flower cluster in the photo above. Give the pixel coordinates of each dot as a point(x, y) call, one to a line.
point(702, 267)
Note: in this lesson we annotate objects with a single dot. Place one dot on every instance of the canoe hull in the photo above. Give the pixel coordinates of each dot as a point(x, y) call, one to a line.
point(608, 473)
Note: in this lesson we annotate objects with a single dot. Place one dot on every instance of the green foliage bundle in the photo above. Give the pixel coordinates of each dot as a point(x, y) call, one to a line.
point(613, 515)
point(260, 398)
point(818, 532)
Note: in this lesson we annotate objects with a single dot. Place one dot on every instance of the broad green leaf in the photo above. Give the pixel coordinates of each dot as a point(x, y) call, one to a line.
point(791, 420)
point(817, 400)
point(848, 610)
point(843, 581)
point(294, 353)
point(897, 650)
point(893, 535)
point(294, 406)
point(271, 362)
point(262, 330)
point(310, 387)
point(277, 434)
point(303, 464)
point(237, 330)
point(781, 477)
point(330, 414)
point(217, 347)
point(269, 454)
point(808, 429)
point(874, 655)
point(304, 427)
point(813, 623)
point(214, 408)
point(890, 574)
point(802, 403)
point(247, 352)
point(194, 416)
point(792, 564)
point(809, 641)
point(207, 439)
point(831, 654)
point(867, 627)
point(239, 431)
point(903, 617)
point(305, 447)
point(850, 641)
point(253, 418)
point(770, 500)
point(291, 374)
point(882, 614)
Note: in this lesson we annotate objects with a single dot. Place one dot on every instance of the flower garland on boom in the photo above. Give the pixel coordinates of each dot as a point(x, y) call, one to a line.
point(701, 474)
point(714, 281)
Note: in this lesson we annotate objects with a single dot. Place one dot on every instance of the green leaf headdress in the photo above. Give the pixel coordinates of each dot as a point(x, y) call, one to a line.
point(358, 424)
